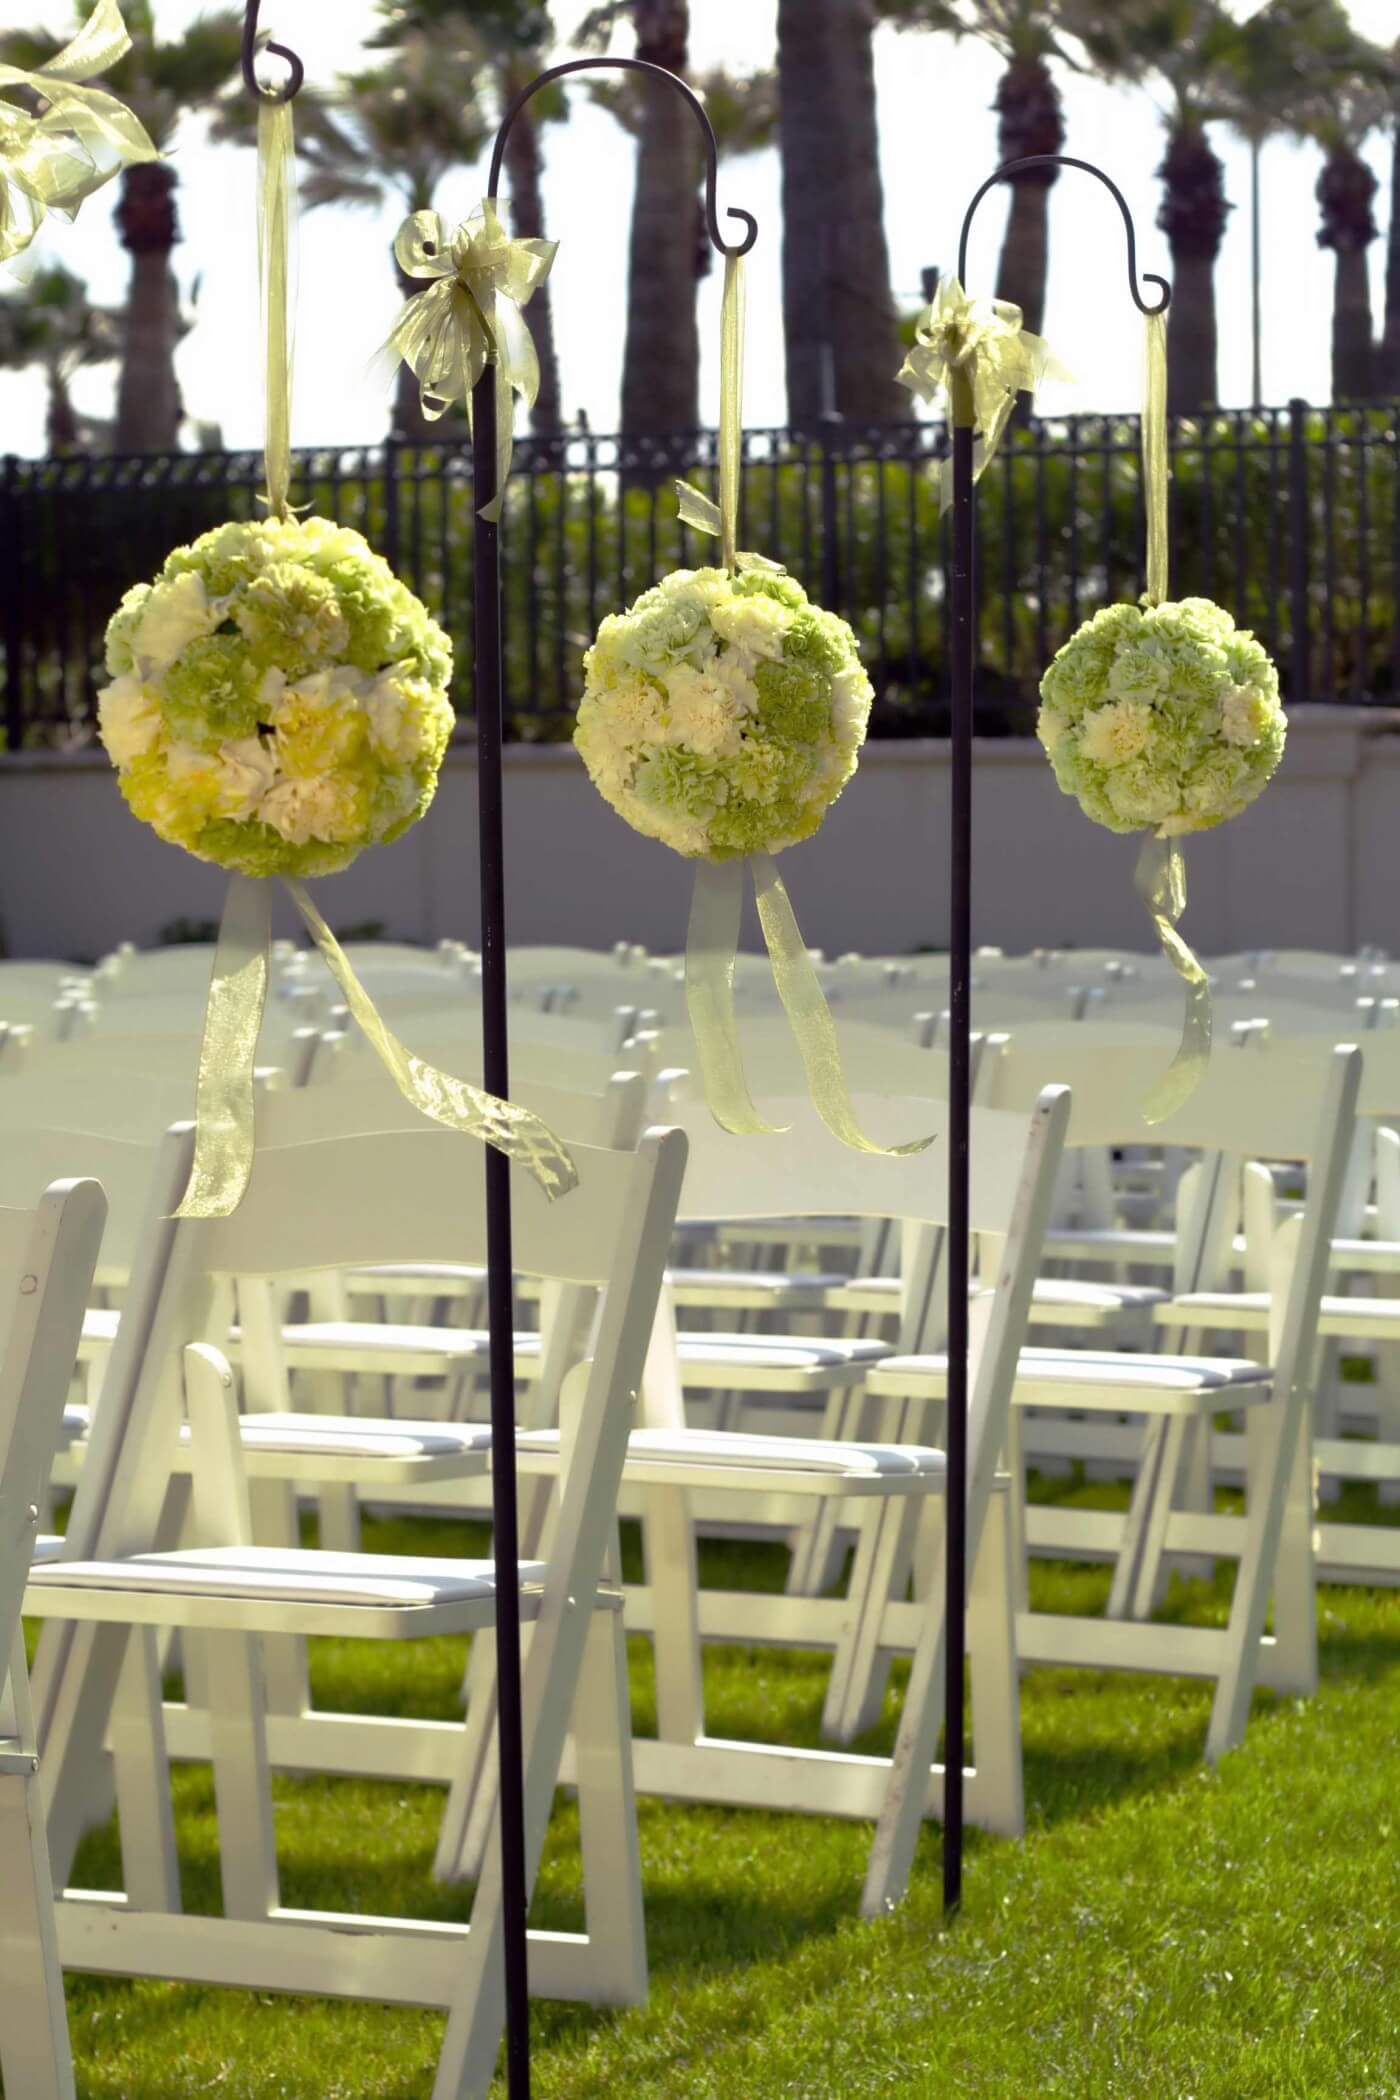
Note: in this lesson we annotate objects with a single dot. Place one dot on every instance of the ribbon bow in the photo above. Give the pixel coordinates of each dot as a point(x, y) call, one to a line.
point(981, 357)
point(470, 317)
point(53, 161)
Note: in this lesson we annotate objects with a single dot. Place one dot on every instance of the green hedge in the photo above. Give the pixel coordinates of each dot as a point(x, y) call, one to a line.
point(1059, 535)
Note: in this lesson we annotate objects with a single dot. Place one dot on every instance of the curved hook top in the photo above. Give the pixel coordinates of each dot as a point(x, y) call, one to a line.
point(296, 71)
point(1010, 168)
point(636, 65)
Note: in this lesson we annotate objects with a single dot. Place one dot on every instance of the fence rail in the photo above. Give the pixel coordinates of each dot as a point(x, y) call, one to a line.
point(1288, 516)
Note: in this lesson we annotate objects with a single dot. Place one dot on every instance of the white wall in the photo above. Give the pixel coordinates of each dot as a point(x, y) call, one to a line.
point(1316, 863)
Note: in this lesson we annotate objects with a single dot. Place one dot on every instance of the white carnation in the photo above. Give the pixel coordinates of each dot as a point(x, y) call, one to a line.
point(756, 625)
point(128, 717)
point(174, 615)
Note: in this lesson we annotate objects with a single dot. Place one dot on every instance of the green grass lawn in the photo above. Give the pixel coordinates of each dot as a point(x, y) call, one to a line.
point(1164, 1932)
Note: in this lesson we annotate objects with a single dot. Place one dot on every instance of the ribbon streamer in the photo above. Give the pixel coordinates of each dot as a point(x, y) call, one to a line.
point(277, 194)
point(224, 1093)
point(711, 950)
point(804, 1002)
point(1161, 883)
point(51, 162)
point(1156, 463)
point(470, 317)
point(986, 346)
point(712, 941)
point(223, 1138)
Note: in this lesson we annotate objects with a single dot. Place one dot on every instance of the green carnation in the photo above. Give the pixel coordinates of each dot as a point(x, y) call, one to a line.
point(279, 700)
point(721, 714)
point(1164, 718)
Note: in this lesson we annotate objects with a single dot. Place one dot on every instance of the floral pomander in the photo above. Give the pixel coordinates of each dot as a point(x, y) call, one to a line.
point(1162, 718)
point(279, 700)
point(723, 714)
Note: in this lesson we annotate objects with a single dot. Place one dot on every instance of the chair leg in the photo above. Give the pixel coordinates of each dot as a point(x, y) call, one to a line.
point(36, 2061)
point(860, 1666)
point(995, 1786)
point(1162, 1498)
point(906, 1794)
point(607, 1816)
point(672, 1577)
point(1290, 1663)
point(145, 1816)
point(288, 1682)
point(816, 1547)
point(1271, 1443)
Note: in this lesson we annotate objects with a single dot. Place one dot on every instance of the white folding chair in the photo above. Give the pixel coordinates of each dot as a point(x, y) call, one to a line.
point(400, 1196)
point(47, 1256)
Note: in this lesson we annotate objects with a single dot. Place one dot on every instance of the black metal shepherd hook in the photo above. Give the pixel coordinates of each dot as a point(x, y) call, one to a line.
point(964, 662)
point(296, 71)
point(496, 1076)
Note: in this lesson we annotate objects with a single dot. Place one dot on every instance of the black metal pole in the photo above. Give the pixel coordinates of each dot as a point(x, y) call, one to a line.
point(500, 1284)
point(963, 666)
point(964, 658)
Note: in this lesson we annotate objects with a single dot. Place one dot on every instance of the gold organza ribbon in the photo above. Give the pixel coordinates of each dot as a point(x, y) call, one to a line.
point(276, 214)
point(225, 1091)
point(471, 316)
point(1161, 871)
point(225, 1088)
point(984, 346)
point(712, 941)
point(1156, 465)
point(1161, 884)
point(51, 162)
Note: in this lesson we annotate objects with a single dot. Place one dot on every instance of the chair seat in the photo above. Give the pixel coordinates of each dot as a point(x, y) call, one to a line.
point(773, 1363)
point(1114, 1380)
point(98, 1334)
point(1061, 1301)
point(763, 1464)
point(1359, 1319)
point(761, 1290)
point(399, 1351)
point(48, 1546)
point(296, 1575)
point(1111, 1243)
point(270, 1589)
point(360, 1436)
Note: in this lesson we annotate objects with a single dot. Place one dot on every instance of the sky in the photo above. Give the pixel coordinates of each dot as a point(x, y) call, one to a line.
point(938, 140)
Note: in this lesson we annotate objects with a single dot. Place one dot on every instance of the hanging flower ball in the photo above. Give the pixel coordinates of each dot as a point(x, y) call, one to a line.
point(723, 714)
point(1163, 718)
point(279, 700)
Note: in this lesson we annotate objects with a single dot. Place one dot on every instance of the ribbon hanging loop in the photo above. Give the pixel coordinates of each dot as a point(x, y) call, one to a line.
point(1156, 464)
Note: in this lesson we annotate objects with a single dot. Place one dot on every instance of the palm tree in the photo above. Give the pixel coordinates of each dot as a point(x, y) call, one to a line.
point(1189, 47)
point(661, 350)
point(394, 129)
point(50, 322)
point(510, 41)
point(161, 82)
point(1026, 35)
point(838, 314)
point(1388, 349)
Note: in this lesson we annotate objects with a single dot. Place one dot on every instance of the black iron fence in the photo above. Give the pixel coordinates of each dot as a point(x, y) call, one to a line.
point(1289, 517)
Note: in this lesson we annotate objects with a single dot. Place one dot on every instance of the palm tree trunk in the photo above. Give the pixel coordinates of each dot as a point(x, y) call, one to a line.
point(1388, 350)
point(1031, 121)
point(1345, 190)
point(838, 313)
point(149, 410)
point(63, 421)
point(525, 170)
point(661, 355)
point(1193, 214)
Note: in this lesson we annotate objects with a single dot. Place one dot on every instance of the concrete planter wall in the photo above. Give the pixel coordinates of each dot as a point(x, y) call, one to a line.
point(1315, 864)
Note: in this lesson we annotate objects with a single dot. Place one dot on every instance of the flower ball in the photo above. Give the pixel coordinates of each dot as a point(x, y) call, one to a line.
point(1163, 718)
point(723, 714)
point(278, 699)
